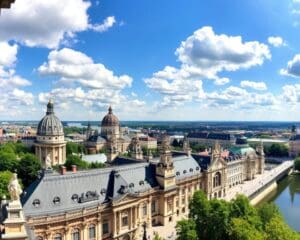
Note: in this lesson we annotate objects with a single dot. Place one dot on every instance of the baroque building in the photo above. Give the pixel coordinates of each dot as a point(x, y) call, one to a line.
point(50, 144)
point(110, 133)
point(116, 201)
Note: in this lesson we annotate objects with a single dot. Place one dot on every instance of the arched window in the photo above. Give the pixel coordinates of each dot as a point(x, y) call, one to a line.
point(217, 179)
point(76, 234)
point(57, 236)
point(92, 232)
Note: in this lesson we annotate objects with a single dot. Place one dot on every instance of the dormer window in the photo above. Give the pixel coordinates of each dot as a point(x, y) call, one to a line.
point(177, 173)
point(191, 170)
point(56, 200)
point(131, 185)
point(184, 171)
point(141, 182)
point(197, 168)
point(36, 203)
point(75, 197)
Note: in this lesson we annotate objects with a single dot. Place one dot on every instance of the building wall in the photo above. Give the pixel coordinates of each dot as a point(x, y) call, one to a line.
point(123, 219)
point(294, 148)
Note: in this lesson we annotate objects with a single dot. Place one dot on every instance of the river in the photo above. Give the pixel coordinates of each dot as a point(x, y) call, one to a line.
point(287, 198)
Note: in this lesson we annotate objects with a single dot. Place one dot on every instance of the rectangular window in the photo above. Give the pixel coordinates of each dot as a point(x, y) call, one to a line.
point(145, 210)
point(105, 228)
point(153, 207)
point(124, 221)
point(183, 200)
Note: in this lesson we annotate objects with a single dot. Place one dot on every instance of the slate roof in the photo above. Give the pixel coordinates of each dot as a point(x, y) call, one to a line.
point(83, 189)
point(96, 138)
point(211, 135)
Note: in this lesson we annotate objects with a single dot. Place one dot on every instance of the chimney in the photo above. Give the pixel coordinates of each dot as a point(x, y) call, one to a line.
point(74, 169)
point(63, 170)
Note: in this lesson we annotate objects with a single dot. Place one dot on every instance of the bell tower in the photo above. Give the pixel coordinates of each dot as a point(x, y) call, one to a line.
point(165, 172)
point(112, 151)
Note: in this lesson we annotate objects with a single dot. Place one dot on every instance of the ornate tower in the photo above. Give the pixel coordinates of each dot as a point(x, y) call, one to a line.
point(186, 146)
point(260, 158)
point(216, 152)
point(165, 173)
point(112, 148)
point(50, 145)
point(14, 224)
point(136, 149)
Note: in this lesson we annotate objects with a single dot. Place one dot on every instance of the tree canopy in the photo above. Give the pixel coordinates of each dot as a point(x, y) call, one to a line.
point(235, 220)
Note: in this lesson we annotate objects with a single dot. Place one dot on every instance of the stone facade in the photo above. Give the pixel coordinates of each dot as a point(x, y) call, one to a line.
point(294, 145)
point(115, 202)
point(50, 144)
point(110, 129)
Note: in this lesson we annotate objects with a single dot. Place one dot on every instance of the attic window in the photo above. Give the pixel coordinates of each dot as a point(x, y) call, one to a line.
point(103, 191)
point(56, 200)
point(177, 173)
point(184, 171)
point(191, 170)
point(36, 203)
point(75, 197)
point(141, 182)
point(131, 185)
point(197, 168)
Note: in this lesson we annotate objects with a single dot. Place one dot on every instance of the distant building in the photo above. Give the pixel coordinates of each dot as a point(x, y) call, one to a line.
point(110, 134)
point(226, 140)
point(294, 145)
point(148, 142)
point(50, 145)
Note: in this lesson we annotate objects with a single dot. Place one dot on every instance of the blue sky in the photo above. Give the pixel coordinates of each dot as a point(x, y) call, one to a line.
point(151, 60)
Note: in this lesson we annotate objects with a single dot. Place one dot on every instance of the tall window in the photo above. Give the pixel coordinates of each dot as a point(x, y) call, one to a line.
point(217, 179)
point(145, 209)
point(57, 236)
point(153, 206)
point(124, 220)
point(92, 232)
point(76, 234)
point(105, 227)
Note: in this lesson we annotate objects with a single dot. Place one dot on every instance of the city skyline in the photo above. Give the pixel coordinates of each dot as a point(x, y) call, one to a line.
point(208, 61)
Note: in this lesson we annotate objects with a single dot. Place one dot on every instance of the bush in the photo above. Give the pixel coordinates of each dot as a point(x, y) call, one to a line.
point(297, 164)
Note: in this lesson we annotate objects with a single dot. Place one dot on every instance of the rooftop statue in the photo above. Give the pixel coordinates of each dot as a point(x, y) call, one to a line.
point(14, 188)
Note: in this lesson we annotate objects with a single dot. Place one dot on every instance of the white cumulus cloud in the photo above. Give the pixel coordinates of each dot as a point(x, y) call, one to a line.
point(275, 41)
point(261, 86)
point(293, 67)
point(107, 23)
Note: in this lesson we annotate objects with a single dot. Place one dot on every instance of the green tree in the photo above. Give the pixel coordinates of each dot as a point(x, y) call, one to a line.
point(5, 177)
point(71, 148)
point(28, 169)
point(8, 161)
point(199, 213)
point(241, 229)
point(96, 165)
point(76, 160)
point(277, 150)
point(277, 229)
point(186, 229)
point(197, 147)
point(266, 212)
point(297, 164)
point(218, 220)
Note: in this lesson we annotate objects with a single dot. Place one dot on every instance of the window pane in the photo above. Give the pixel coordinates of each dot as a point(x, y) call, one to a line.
point(105, 228)
point(92, 232)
